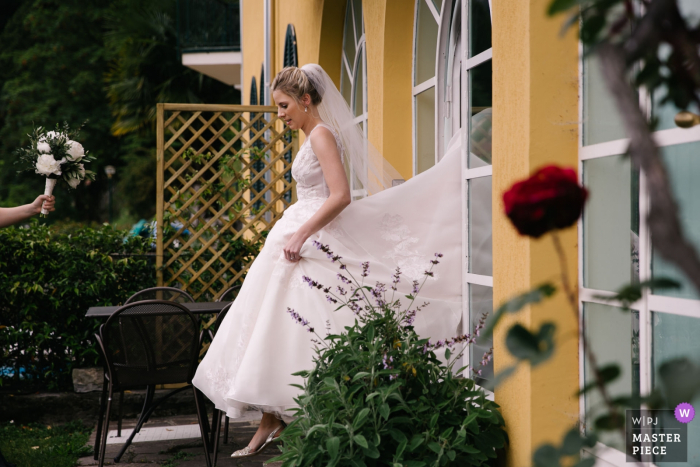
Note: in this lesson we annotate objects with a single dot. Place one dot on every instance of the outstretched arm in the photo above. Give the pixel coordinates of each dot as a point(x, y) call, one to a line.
point(324, 146)
point(9, 216)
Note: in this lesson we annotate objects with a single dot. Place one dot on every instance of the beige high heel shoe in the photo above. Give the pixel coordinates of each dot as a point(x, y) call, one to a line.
point(248, 451)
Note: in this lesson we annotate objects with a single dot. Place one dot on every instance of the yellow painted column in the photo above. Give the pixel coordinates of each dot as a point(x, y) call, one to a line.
point(389, 36)
point(535, 84)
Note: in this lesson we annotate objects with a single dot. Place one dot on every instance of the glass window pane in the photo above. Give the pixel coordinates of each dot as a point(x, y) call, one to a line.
point(613, 336)
point(358, 96)
point(349, 36)
point(601, 120)
point(345, 84)
point(480, 303)
point(425, 130)
point(426, 44)
point(675, 336)
point(690, 9)
point(359, 29)
point(480, 97)
point(683, 166)
point(480, 249)
point(479, 27)
point(610, 223)
point(438, 5)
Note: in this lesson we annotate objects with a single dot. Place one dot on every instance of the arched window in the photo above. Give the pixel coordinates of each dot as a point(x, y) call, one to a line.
point(290, 47)
point(353, 74)
point(452, 98)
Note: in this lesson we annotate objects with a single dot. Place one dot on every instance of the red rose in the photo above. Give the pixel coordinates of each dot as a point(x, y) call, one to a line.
point(550, 199)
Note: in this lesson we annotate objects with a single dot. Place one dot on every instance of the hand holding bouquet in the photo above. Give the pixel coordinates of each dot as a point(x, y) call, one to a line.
point(57, 156)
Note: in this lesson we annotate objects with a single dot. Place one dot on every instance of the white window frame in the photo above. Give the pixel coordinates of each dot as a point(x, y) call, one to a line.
point(442, 19)
point(360, 54)
point(649, 303)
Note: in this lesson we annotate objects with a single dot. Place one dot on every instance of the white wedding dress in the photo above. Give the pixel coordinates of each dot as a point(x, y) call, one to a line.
point(258, 346)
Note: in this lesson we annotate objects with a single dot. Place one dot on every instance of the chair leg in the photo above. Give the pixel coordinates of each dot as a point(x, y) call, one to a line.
point(121, 413)
point(214, 419)
point(100, 417)
point(225, 429)
point(105, 428)
point(202, 420)
point(217, 433)
point(139, 423)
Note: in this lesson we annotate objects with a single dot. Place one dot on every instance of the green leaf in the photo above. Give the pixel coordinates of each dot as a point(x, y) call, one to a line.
point(435, 447)
point(546, 456)
point(415, 464)
point(360, 418)
point(333, 446)
point(359, 375)
point(631, 293)
point(451, 454)
point(361, 441)
point(470, 449)
point(516, 304)
point(608, 373)
point(384, 411)
point(573, 442)
point(526, 346)
point(416, 441)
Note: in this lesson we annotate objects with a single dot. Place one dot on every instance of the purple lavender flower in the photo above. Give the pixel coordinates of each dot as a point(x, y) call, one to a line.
point(416, 287)
point(396, 278)
point(296, 317)
point(331, 299)
point(342, 291)
point(343, 279)
point(365, 269)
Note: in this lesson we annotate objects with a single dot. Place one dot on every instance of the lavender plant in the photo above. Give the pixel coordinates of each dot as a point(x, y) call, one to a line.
point(379, 394)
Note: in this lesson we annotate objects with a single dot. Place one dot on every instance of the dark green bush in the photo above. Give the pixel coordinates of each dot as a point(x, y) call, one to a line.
point(379, 395)
point(48, 280)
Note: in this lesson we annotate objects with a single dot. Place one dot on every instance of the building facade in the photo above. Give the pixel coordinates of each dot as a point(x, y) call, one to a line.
point(501, 76)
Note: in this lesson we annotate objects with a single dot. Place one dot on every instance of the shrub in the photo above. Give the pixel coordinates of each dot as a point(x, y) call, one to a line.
point(379, 395)
point(48, 280)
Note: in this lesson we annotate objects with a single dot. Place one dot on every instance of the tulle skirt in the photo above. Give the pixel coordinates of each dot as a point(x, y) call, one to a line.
point(258, 345)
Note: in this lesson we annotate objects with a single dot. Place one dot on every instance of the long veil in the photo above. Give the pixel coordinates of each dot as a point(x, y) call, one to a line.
point(367, 166)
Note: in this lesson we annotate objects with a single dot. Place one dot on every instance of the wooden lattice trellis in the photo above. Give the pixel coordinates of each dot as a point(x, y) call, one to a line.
point(224, 179)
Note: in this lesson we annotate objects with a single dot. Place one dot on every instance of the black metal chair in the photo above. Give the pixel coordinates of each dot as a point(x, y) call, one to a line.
point(147, 343)
point(228, 295)
point(153, 293)
point(161, 293)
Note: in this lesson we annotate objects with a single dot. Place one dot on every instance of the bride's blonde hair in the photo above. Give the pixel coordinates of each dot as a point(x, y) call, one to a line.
point(294, 82)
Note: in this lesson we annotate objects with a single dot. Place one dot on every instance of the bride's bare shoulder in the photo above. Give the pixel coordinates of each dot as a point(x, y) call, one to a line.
point(323, 140)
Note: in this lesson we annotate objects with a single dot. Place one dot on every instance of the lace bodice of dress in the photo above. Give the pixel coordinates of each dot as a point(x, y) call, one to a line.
point(307, 172)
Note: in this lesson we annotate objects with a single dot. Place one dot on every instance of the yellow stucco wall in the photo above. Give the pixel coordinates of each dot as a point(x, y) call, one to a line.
point(389, 36)
point(535, 123)
point(319, 29)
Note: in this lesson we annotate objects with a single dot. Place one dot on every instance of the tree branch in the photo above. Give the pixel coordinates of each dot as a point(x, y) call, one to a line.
point(663, 221)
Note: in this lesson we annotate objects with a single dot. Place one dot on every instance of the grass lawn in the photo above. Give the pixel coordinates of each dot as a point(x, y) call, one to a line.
point(37, 445)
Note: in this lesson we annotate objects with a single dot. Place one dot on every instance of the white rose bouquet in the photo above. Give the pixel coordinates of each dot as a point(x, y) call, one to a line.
point(57, 156)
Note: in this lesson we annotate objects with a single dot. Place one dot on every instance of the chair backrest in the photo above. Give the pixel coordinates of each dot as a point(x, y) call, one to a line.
point(161, 293)
point(229, 294)
point(151, 342)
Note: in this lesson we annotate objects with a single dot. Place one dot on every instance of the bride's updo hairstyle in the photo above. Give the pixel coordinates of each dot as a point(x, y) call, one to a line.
point(294, 82)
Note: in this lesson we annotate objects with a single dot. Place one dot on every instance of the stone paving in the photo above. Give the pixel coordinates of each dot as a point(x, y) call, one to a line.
point(182, 452)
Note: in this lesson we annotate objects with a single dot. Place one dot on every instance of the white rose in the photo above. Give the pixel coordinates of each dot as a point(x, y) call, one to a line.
point(75, 181)
point(43, 147)
point(47, 165)
point(75, 151)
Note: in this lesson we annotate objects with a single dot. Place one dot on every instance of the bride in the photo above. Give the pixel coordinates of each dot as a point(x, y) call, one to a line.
point(258, 346)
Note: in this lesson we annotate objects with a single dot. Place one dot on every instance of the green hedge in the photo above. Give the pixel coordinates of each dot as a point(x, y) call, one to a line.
point(48, 280)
